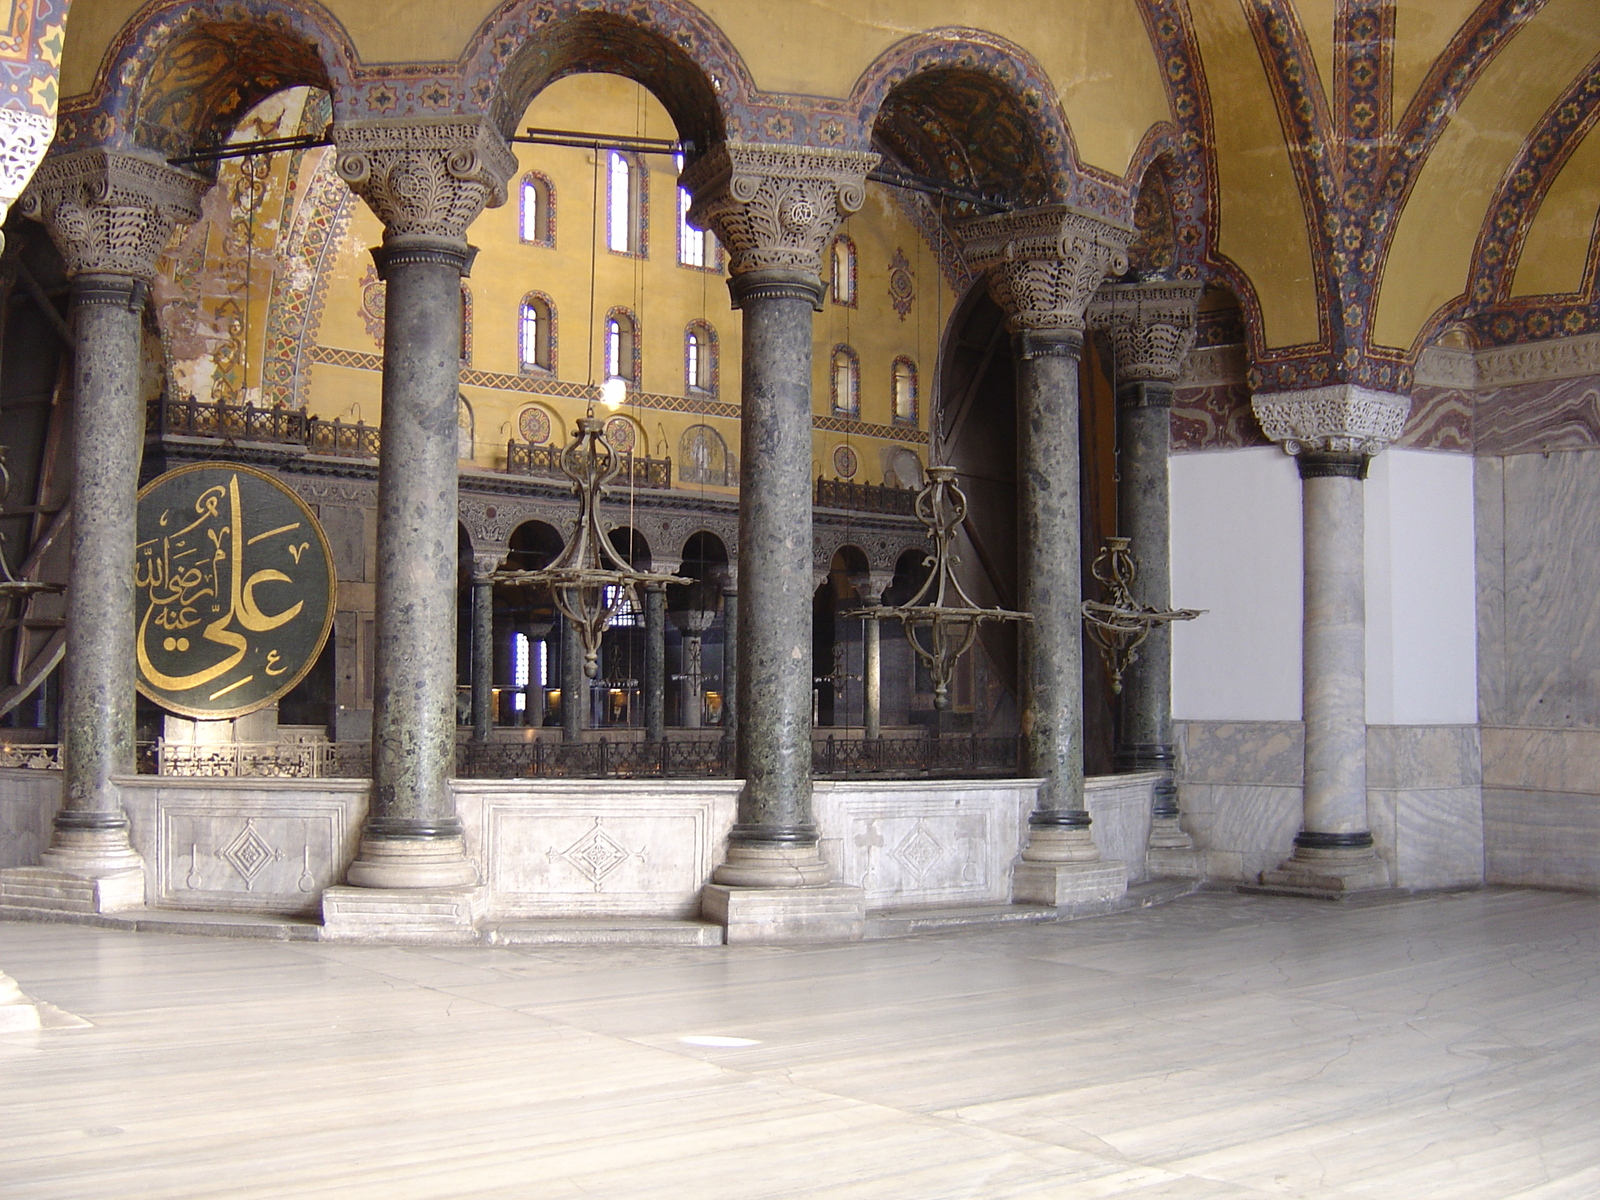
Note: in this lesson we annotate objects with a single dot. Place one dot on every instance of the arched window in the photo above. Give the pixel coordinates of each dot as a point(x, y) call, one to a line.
point(700, 358)
point(538, 217)
point(703, 457)
point(622, 346)
point(843, 270)
point(904, 387)
point(696, 247)
point(625, 204)
point(466, 324)
point(846, 382)
point(466, 429)
point(536, 334)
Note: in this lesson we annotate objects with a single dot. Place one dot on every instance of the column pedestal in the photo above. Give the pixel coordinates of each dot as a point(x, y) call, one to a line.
point(447, 915)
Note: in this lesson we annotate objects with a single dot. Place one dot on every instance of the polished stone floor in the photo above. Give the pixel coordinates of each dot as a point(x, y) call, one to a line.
point(1220, 1046)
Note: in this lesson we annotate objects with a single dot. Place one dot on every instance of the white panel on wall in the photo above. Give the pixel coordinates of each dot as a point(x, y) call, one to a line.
point(1236, 551)
point(1421, 579)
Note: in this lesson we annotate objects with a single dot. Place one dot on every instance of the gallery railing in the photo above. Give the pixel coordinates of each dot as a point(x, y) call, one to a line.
point(523, 458)
point(248, 423)
point(260, 760)
point(864, 497)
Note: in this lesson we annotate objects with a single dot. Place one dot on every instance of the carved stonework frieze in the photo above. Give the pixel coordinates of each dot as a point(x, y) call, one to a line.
point(776, 207)
point(425, 178)
point(1151, 327)
point(111, 213)
point(24, 139)
point(1535, 362)
point(1044, 264)
point(1340, 418)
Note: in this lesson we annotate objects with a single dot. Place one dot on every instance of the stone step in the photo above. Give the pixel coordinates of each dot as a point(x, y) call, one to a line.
point(603, 931)
point(907, 921)
point(220, 924)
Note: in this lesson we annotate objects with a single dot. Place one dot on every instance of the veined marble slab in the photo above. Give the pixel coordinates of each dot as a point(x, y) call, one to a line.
point(28, 800)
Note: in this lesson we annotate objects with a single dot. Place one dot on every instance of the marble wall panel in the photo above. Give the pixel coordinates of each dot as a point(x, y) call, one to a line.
point(243, 845)
point(28, 801)
point(1542, 760)
point(1254, 752)
point(1536, 838)
point(577, 848)
point(1430, 837)
point(1241, 829)
point(1119, 806)
point(1552, 574)
point(1423, 756)
point(1489, 533)
point(916, 843)
point(1440, 419)
point(1525, 418)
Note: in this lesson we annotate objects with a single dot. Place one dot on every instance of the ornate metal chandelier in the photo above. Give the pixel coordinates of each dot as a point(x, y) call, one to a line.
point(589, 580)
point(1120, 627)
point(941, 621)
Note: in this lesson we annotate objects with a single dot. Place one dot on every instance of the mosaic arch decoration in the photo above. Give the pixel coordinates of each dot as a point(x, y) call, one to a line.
point(1355, 167)
point(184, 74)
point(1495, 317)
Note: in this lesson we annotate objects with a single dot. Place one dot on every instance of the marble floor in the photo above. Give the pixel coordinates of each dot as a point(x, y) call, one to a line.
point(1219, 1046)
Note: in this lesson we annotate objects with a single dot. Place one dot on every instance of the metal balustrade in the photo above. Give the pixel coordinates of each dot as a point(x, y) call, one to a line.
point(865, 497)
point(523, 458)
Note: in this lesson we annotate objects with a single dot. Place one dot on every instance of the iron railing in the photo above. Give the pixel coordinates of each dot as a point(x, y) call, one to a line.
point(865, 497)
point(44, 757)
point(263, 760)
point(525, 459)
point(248, 423)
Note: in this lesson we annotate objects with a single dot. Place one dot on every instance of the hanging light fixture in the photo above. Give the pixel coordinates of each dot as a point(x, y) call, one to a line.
point(589, 580)
point(1120, 627)
point(941, 621)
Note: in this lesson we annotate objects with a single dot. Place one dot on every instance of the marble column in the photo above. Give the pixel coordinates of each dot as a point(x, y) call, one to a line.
point(655, 661)
point(775, 209)
point(1151, 328)
point(729, 582)
point(110, 215)
point(483, 565)
point(1043, 266)
point(693, 623)
point(574, 685)
point(426, 181)
point(1333, 432)
point(870, 588)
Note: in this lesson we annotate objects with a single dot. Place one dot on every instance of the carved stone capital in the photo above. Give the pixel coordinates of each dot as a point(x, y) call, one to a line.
point(1338, 419)
point(1044, 264)
point(1151, 327)
point(425, 178)
point(776, 207)
point(110, 213)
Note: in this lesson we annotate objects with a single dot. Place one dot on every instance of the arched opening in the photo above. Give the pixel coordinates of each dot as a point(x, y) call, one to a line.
point(526, 634)
point(697, 636)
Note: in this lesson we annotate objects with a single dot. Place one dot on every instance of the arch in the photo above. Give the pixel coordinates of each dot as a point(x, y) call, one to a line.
point(466, 429)
point(534, 545)
point(703, 552)
point(700, 359)
point(842, 271)
point(668, 47)
point(536, 212)
point(903, 390)
point(704, 457)
point(627, 204)
point(536, 334)
point(179, 79)
point(1153, 253)
point(927, 97)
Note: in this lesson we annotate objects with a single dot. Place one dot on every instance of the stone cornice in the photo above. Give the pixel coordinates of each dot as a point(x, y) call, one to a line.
point(1215, 366)
point(1533, 362)
point(775, 208)
point(1044, 264)
point(425, 178)
point(1151, 326)
point(111, 213)
point(1338, 419)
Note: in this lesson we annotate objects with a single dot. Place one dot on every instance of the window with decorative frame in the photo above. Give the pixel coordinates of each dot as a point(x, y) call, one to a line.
point(697, 248)
point(536, 334)
point(622, 346)
point(627, 213)
point(466, 324)
point(846, 375)
point(537, 226)
point(842, 271)
point(903, 389)
point(700, 358)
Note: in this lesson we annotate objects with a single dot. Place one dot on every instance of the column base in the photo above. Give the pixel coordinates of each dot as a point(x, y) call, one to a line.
point(1328, 874)
point(26, 891)
point(772, 865)
point(832, 913)
point(1060, 844)
point(447, 915)
point(18, 1014)
point(1170, 853)
point(430, 863)
point(91, 853)
point(1065, 884)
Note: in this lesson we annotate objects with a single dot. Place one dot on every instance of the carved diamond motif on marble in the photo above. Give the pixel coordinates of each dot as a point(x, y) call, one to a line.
point(249, 854)
point(919, 850)
point(597, 854)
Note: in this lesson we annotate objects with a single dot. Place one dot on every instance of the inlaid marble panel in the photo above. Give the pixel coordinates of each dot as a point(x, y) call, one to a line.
point(1440, 419)
point(1241, 829)
point(1119, 806)
point(575, 848)
point(244, 845)
point(1423, 756)
point(28, 801)
point(1254, 752)
point(1540, 838)
point(1490, 537)
point(1543, 760)
point(1556, 414)
point(1431, 837)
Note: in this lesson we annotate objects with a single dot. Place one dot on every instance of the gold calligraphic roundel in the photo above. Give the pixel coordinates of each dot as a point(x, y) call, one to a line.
point(234, 590)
